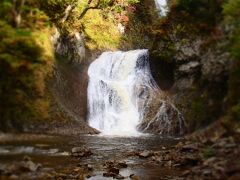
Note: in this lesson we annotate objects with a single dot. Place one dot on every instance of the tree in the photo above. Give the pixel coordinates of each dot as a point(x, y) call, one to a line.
point(16, 11)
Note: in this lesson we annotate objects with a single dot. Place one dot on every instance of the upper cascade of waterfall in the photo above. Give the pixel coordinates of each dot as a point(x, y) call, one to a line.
point(161, 6)
point(116, 87)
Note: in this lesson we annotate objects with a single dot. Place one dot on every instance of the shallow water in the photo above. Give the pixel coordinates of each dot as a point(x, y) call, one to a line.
point(54, 152)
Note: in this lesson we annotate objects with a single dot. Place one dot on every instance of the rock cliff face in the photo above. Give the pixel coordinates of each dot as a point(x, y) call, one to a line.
point(70, 80)
point(199, 80)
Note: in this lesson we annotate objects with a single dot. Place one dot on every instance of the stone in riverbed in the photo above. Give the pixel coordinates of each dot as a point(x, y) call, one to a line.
point(81, 152)
point(12, 177)
point(119, 176)
point(111, 172)
point(145, 154)
point(85, 167)
point(189, 147)
point(116, 164)
point(27, 158)
point(133, 153)
point(61, 176)
point(30, 166)
point(134, 177)
point(24, 166)
point(122, 164)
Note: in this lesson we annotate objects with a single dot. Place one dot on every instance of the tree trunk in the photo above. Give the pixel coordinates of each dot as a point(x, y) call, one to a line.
point(16, 12)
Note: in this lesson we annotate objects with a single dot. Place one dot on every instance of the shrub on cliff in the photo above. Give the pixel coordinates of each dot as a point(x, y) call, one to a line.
point(232, 21)
point(26, 58)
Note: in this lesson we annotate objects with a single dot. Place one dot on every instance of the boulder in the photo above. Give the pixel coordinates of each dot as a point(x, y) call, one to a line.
point(163, 118)
point(145, 154)
point(134, 177)
point(81, 152)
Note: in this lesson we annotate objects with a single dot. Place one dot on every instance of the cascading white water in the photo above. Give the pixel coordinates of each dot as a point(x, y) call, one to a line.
point(118, 84)
point(161, 6)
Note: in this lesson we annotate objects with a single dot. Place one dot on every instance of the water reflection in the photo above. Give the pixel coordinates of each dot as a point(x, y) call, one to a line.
point(53, 151)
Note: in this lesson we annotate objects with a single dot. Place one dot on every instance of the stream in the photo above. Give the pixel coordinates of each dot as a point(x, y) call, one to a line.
point(53, 153)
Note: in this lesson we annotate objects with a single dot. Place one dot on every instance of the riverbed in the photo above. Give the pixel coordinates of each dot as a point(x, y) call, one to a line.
point(53, 154)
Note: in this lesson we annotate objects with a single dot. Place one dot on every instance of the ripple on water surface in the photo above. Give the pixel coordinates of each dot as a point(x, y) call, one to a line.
point(54, 151)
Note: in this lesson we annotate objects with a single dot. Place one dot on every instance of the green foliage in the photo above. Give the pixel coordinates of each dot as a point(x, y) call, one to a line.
point(101, 33)
point(202, 14)
point(209, 152)
point(26, 57)
point(235, 112)
point(97, 20)
point(232, 21)
point(55, 9)
point(199, 114)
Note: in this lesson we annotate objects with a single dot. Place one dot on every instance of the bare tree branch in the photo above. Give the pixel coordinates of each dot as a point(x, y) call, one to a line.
point(89, 7)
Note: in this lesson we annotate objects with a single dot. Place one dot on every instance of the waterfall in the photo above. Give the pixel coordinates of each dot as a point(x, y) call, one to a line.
point(123, 96)
point(161, 6)
point(116, 83)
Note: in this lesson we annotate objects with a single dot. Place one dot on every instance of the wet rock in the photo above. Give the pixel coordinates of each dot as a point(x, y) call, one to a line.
point(61, 176)
point(177, 165)
point(85, 167)
point(158, 153)
point(233, 169)
point(189, 148)
point(210, 161)
point(89, 167)
point(119, 176)
point(133, 153)
point(80, 177)
point(27, 158)
point(189, 68)
point(89, 176)
point(108, 164)
point(122, 164)
point(207, 172)
point(157, 159)
point(169, 164)
point(81, 152)
point(77, 169)
point(94, 131)
point(13, 177)
point(113, 170)
point(2, 171)
point(30, 166)
point(13, 169)
point(186, 173)
point(158, 124)
point(47, 176)
point(145, 154)
point(53, 151)
point(189, 161)
point(134, 177)
point(24, 166)
point(42, 145)
point(231, 145)
point(109, 174)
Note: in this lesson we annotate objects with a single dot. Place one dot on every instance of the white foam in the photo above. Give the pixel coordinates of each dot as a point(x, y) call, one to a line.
point(116, 86)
